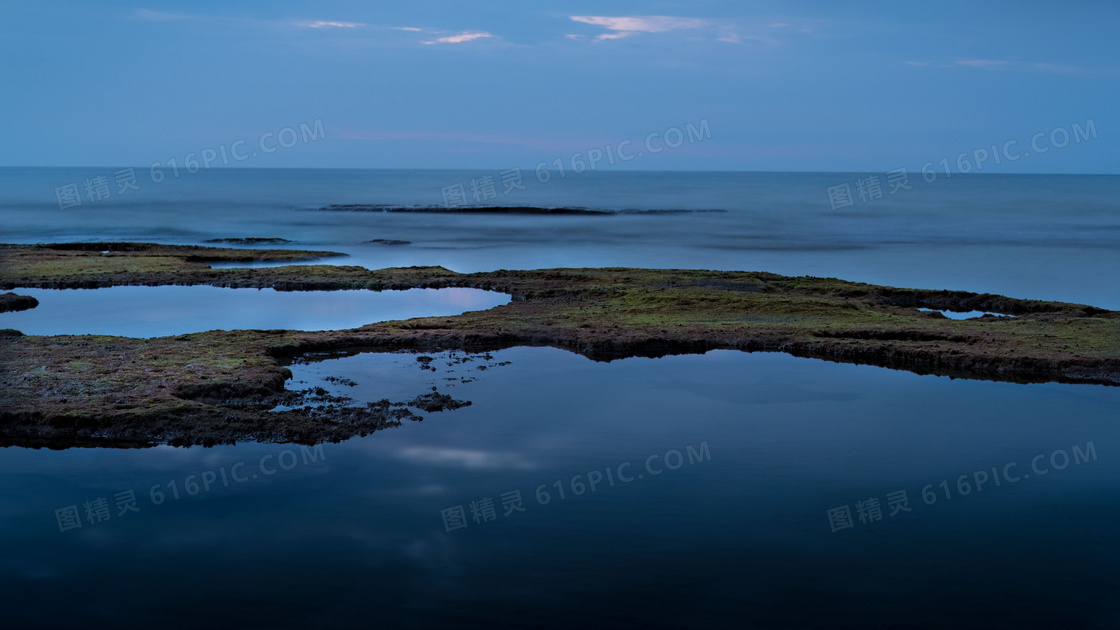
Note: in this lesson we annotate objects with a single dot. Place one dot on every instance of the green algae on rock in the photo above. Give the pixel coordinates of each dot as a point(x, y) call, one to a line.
point(93, 265)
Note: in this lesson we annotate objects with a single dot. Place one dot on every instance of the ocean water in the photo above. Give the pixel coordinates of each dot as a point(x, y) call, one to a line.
point(1031, 236)
point(718, 490)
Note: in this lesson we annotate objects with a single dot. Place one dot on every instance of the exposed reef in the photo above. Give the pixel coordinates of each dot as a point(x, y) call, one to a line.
point(248, 241)
point(219, 386)
point(10, 302)
point(525, 210)
point(388, 241)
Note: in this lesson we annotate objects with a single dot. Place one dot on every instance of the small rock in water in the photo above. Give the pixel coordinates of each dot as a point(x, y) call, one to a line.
point(389, 241)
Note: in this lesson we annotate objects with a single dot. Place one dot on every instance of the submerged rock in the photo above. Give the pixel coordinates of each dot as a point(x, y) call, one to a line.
point(389, 241)
point(248, 241)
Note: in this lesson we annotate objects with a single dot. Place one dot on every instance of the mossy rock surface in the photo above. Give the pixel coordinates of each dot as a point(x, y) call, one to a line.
point(216, 386)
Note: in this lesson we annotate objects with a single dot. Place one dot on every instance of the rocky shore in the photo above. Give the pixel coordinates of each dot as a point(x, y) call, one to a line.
point(217, 386)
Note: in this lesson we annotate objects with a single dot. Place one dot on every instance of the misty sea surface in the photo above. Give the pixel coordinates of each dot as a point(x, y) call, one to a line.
point(1050, 237)
point(720, 490)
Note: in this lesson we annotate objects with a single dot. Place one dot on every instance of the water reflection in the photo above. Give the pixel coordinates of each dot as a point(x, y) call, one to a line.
point(964, 314)
point(176, 310)
point(739, 538)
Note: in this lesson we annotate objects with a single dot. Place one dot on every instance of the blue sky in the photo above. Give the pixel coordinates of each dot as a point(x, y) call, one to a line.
point(791, 86)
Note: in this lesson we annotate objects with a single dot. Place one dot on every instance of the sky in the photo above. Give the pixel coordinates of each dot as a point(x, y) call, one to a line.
point(765, 86)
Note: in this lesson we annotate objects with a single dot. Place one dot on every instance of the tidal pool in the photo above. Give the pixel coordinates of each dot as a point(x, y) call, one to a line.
point(964, 314)
point(687, 491)
point(177, 310)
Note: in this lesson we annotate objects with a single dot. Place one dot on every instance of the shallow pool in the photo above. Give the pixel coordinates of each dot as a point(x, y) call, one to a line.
point(177, 310)
point(964, 314)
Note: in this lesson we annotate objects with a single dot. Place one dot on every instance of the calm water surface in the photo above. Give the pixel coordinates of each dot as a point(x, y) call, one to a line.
point(750, 451)
point(1052, 237)
point(177, 310)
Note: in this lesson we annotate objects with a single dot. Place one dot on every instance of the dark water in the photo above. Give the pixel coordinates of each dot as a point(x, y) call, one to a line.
point(756, 454)
point(751, 451)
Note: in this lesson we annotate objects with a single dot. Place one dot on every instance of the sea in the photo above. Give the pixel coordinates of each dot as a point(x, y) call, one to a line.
point(1048, 237)
point(729, 489)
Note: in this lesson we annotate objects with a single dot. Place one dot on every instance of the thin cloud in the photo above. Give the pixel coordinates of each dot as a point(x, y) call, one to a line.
point(986, 64)
point(327, 24)
point(1039, 66)
point(163, 16)
point(625, 26)
point(1054, 68)
point(465, 36)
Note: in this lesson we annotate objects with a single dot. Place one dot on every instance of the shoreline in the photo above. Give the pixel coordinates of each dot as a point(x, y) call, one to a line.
point(215, 387)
